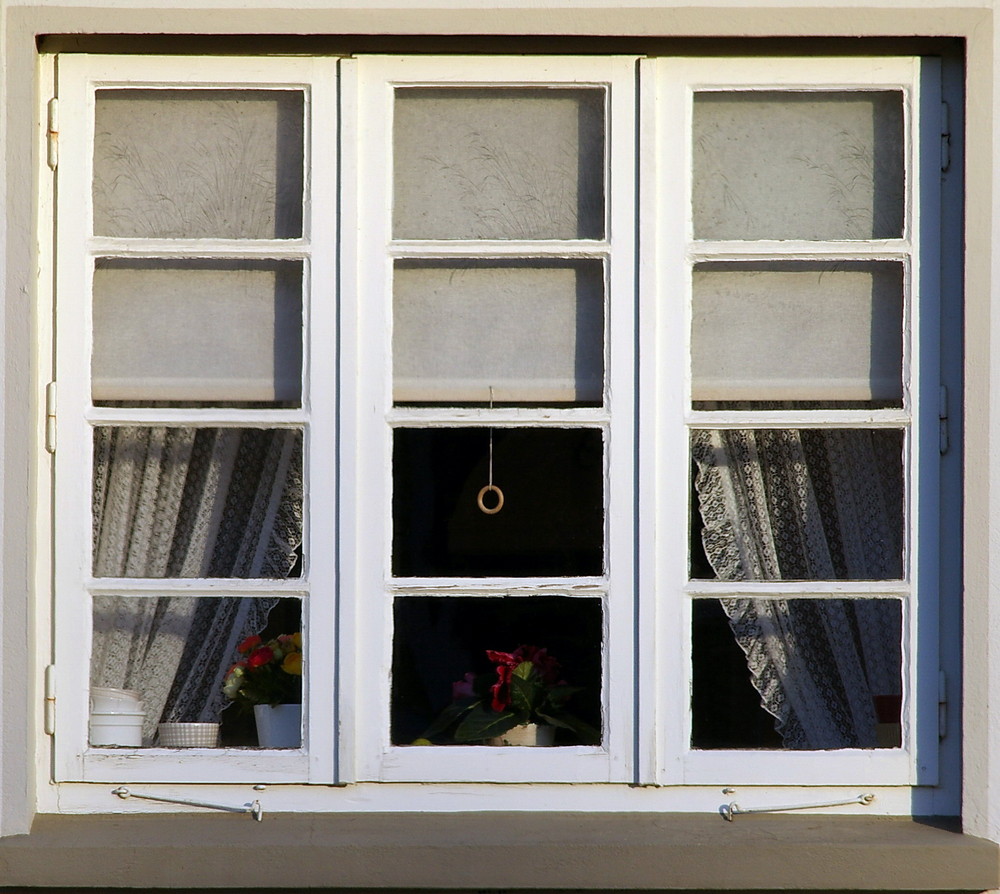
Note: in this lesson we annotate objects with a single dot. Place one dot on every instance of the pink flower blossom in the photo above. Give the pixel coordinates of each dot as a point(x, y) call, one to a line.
point(463, 688)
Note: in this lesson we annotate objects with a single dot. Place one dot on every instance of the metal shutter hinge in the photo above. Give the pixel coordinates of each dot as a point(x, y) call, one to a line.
point(52, 133)
point(50, 700)
point(50, 417)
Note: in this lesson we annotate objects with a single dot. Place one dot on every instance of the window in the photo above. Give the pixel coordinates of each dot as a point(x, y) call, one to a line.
point(633, 361)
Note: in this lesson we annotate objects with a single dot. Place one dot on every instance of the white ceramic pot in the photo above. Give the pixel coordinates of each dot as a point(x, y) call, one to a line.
point(278, 726)
point(116, 727)
point(531, 734)
point(106, 700)
point(189, 735)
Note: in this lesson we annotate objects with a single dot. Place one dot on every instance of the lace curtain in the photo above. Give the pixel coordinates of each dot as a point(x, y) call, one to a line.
point(187, 503)
point(809, 505)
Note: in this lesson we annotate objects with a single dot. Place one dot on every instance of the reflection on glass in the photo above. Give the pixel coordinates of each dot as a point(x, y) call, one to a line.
point(206, 331)
point(531, 332)
point(800, 674)
point(498, 163)
point(198, 164)
point(439, 641)
point(798, 332)
point(197, 502)
point(798, 165)
point(552, 519)
point(789, 504)
point(163, 659)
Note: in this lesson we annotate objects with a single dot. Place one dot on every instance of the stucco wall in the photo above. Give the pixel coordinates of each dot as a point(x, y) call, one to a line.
point(639, 27)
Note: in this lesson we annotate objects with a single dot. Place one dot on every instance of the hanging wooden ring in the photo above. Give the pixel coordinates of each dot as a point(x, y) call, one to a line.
point(490, 488)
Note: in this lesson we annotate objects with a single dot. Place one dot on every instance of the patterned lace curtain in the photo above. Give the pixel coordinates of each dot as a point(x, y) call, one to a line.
point(187, 503)
point(808, 505)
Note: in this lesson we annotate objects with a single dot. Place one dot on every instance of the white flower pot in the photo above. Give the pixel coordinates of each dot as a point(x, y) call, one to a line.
point(116, 728)
point(278, 726)
point(526, 734)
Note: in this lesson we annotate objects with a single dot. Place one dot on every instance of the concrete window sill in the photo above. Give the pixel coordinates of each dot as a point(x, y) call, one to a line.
point(541, 851)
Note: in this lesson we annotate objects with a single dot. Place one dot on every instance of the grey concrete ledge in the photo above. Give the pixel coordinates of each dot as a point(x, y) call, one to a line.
point(540, 851)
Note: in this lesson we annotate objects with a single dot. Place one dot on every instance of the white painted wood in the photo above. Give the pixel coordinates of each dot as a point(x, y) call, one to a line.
point(370, 251)
point(79, 77)
point(676, 83)
point(348, 418)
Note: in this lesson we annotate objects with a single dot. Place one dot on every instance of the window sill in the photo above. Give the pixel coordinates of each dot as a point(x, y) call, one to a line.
point(543, 851)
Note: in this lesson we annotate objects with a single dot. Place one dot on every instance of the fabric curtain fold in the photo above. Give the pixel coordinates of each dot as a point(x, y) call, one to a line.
point(187, 503)
point(809, 505)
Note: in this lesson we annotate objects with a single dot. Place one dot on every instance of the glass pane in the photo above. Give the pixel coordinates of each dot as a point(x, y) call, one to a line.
point(208, 331)
point(162, 668)
point(198, 164)
point(798, 332)
point(441, 669)
point(197, 502)
point(533, 333)
point(802, 674)
point(550, 522)
point(788, 504)
point(498, 163)
point(802, 165)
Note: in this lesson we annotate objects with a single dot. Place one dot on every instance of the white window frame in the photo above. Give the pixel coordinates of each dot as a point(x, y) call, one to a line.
point(79, 77)
point(372, 80)
point(670, 102)
point(347, 415)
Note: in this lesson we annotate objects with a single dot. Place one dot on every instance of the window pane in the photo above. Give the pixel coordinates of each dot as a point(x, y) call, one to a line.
point(198, 163)
point(197, 502)
point(168, 659)
point(498, 163)
point(796, 673)
point(805, 504)
point(552, 518)
point(441, 641)
point(802, 165)
point(531, 332)
point(798, 332)
point(208, 331)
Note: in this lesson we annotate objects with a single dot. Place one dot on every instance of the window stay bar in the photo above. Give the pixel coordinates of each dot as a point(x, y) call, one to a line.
point(732, 810)
point(253, 809)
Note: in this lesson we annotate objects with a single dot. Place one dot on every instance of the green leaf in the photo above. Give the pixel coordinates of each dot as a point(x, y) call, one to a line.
point(583, 731)
point(448, 716)
point(481, 723)
point(525, 692)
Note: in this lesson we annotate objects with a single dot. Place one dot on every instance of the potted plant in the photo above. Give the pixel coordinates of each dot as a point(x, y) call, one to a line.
point(522, 701)
point(268, 679)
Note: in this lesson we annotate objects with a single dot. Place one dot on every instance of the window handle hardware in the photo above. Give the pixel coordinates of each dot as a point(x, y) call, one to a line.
point(253, 809)
point(732, 810)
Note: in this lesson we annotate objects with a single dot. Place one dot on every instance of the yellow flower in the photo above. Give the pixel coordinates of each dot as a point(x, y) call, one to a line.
point(297, 639)
point(292, 663)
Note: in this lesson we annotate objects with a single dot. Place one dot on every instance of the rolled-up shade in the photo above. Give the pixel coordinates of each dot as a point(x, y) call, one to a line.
point(532, 331)
point(797, 332)
point(213, 331)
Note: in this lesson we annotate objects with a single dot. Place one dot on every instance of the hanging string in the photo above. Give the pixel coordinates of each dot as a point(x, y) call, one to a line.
point(490, 488)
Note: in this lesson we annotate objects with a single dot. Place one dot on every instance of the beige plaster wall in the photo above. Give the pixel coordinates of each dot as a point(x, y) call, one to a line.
point(23, 631)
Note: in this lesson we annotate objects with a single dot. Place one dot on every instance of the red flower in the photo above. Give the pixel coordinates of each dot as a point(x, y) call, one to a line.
point(248, 645)
point(545, 664)
point(260, 657)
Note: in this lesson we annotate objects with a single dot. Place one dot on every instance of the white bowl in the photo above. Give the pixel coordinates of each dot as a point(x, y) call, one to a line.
point(189, 735)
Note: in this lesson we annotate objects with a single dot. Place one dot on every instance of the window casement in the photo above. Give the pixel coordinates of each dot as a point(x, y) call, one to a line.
point(631, 360)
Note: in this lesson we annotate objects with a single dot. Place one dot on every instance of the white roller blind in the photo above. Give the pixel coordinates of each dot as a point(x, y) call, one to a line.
point(197, 331)
point(797, 332)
